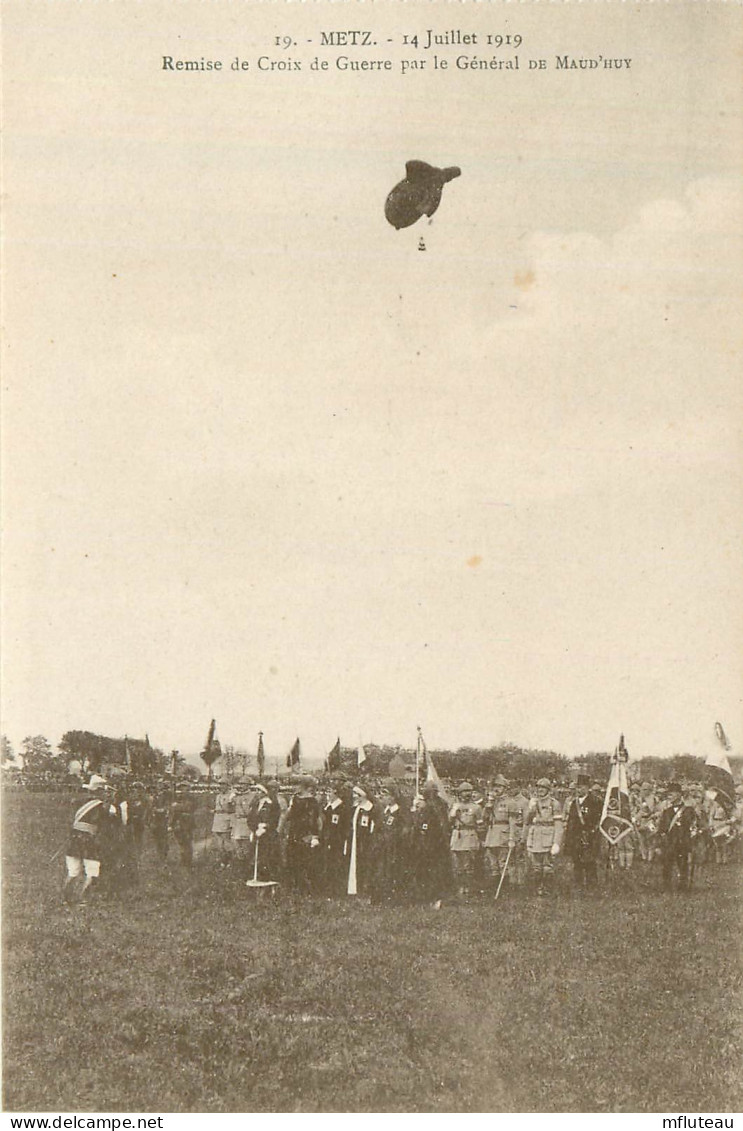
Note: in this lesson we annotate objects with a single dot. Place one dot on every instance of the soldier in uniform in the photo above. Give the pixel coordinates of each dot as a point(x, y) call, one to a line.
point(646, 823)
point(721, 826)
point(224, 808)
point(504, 829)
point(303, 827)
point(336, 816)
point(137, 814)
point(703, 846)
point(582, 837)
point(736, 827)
point(544, 821)
point(159, 822)
point(88, 844)
point(240, 834)
point(429, 848)
point(121, 856)
point(627, 846)
point(677, 829)
point(517, 867)
point(183, 824)
point(467, 821)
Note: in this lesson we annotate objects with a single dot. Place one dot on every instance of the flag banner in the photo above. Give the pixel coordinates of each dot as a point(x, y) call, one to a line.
point(433, 777)
point(333, 760)
point(212, 751)
point(432, 774)
point(261, 756)
point(127, 754)
point(719, 774)
point(616, 821)
point(292, 758)
point(361, 756)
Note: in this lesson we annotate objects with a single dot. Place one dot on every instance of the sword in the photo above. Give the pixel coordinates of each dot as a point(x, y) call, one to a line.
point(503, 873)
point(255, 882)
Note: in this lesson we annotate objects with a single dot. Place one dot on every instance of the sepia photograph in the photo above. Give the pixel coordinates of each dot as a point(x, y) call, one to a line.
point(372, 559)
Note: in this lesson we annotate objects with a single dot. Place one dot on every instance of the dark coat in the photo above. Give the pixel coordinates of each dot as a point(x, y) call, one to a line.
point(393, 852)
point(333, 840)
point(677, 828)
point(303, 856)
point(429, 852)
point(263, 821)
point(582, 836)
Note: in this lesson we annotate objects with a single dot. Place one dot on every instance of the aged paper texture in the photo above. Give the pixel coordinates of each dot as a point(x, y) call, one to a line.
point(367, 366)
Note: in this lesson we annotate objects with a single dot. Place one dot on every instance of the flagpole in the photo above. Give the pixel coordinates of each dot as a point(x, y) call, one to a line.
point(418, 763)
point(174, 755)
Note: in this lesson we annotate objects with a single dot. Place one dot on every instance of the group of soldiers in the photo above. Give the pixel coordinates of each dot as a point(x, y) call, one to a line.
point(360, 839)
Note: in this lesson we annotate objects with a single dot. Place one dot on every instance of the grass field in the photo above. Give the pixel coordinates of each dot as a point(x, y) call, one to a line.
point(186, 996)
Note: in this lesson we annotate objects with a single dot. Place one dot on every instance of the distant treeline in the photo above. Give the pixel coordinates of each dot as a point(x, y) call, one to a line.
point(523, 764)
point(91, 751)
point(94, 752)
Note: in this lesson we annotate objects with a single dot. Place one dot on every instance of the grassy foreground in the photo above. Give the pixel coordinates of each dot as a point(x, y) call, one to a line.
point(187, 996)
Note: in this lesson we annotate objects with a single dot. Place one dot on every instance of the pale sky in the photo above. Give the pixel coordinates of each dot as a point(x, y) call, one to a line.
point(266, 461)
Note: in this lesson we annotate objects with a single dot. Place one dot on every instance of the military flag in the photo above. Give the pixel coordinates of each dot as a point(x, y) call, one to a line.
point(144, 759)
point(718, 770)
point(261, 755)
point(361, 756)
point(432, 776)
point(616, 820)
point(212, 751)
point(333, 760)
point(292, 758)
point(419, 744)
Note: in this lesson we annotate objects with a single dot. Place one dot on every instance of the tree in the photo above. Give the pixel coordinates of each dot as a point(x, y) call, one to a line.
point(235, 762)
point(229, 763)
point(83, 746)
point(596, 764)
point(95, 750)
point(652, 768)
point(37, 754)
point(242, 759)
point(688, 766)
point(506, 758)
point(8, 753)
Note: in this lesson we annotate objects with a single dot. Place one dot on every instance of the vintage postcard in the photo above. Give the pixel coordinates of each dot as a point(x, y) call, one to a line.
point(372, 557)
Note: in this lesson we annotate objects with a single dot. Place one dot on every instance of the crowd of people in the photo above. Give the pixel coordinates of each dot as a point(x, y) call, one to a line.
point(379, 841)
